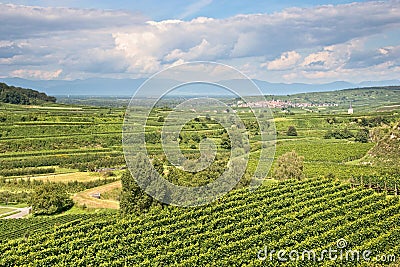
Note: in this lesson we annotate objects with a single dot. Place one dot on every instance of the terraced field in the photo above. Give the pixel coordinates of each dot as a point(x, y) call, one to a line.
point(67, 137)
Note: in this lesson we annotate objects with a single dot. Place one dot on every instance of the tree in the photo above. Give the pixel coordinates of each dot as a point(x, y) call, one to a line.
point(50, 198)
point(134, 199)
point(331, 120)
point(339, 134)
point(362, 136)
point(291, 131)
point(225, 141)
point(17, 95)
point(289, 166)
point(13, 97)
point(346, 134)
point(158, 166)
point(196, 137)
point(192, 144)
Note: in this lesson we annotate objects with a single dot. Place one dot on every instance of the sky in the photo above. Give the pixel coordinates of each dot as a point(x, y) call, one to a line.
point(276, 41)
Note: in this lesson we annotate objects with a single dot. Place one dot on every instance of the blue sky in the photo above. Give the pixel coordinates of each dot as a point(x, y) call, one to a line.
point(277, 41)
point(184, 9)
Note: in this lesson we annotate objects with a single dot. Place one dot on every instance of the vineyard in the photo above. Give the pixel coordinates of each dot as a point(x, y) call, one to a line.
point(345, 193)
point(312, 214)
point(68, 137)
point(57, 143)
point(14, 229)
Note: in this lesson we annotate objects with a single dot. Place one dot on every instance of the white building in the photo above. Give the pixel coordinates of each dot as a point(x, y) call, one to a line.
point(350, 110)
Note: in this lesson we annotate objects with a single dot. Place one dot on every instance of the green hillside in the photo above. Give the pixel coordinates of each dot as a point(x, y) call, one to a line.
point(22, 96)
point(359, 96)
point(313, 215)
point(367, 99)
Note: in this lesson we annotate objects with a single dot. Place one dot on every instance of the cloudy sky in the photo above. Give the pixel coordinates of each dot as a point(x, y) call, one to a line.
point(276, 41)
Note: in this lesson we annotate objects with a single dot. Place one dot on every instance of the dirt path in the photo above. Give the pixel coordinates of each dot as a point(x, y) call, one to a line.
point(22, 213)
point(86, 198)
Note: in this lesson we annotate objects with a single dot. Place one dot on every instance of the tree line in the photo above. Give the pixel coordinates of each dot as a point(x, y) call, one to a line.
point(22, 96)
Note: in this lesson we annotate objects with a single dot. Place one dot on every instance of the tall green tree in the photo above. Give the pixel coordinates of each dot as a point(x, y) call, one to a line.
point(362, 136)
point(225, 141)
point(50, 198)
point(134, 199)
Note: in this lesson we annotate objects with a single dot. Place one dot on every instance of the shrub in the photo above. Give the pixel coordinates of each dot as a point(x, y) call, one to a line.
point(362, 136)
point(291, 131)
point(339, 134)
point(289, 166)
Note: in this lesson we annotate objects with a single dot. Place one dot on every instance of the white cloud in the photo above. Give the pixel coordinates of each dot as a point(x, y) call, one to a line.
point(36, 74)
point(262, 35)
point(203, 50)
point(383, 51)
point(287, 60)
point(296, 43)
point(31, 21)
point(319, 58)
point(98, 60)
point(364, 74)
point(371, 57)
point(140, 49)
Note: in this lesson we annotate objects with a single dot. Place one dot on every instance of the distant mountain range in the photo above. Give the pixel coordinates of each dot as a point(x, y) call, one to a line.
point(126, 87)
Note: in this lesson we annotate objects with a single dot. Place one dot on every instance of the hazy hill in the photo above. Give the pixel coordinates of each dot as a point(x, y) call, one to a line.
point(126, 87)
point(18, 95)
point(367, 96)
